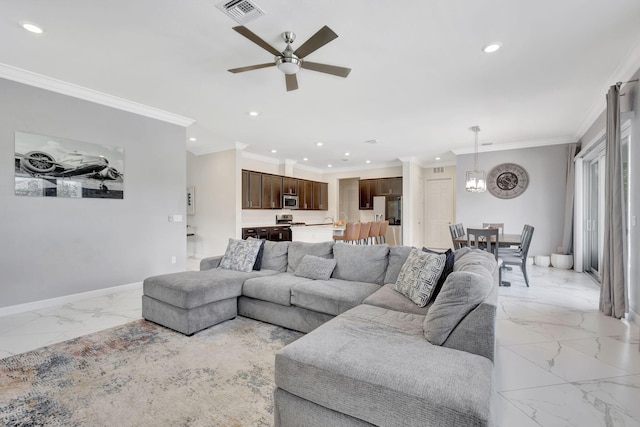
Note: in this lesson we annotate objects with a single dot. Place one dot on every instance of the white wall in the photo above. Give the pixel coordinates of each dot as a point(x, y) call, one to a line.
point(53, 247)
point(541, 205)
point(216, 179)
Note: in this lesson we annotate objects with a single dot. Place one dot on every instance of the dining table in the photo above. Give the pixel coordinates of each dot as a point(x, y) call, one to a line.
point(503, 239)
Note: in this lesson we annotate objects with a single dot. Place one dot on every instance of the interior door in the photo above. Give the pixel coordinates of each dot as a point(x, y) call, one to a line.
point(438, 213)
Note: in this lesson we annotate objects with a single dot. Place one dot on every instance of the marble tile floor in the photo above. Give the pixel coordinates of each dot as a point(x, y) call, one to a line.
point(559, 362)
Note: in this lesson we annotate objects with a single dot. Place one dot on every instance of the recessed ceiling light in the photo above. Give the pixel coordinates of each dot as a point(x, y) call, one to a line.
point(304, 159)
point(437, 158)
point(490, 48)
point(347, 154)
point(32, 28)
point(319, 144)
point(192, 139)
point(329, 166)
point(274, 151)
point(253, 113)
point(368, 161)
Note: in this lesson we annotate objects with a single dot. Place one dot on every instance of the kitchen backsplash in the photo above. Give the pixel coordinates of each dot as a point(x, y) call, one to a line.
point(265, 217)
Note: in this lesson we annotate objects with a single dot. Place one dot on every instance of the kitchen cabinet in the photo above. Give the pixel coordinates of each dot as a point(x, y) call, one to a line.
point(305, 198)
point(390, 186)
point(320, 196)
point(368, 189)
point(271, 191)
point(280, 234)
point(277, 234)
point(290, 185)
point(251, 190)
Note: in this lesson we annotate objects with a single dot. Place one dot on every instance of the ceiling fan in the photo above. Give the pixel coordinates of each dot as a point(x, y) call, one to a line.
point(290, 61)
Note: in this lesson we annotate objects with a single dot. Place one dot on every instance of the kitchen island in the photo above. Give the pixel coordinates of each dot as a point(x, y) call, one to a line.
point(315, 233)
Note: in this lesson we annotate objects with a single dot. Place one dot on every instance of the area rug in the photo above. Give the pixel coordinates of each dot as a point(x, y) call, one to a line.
point(142, 374)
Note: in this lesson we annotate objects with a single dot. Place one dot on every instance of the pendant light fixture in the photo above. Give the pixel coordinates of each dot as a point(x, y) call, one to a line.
point(476, 179)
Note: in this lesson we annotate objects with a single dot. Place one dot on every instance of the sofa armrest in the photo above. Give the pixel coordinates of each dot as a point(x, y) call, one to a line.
point(210, 262)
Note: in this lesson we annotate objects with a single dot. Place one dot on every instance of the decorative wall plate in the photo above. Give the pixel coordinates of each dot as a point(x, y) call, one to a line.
point(507, 180)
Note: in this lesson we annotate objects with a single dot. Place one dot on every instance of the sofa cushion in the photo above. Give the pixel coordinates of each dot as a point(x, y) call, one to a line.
point(397, 257)
point(419, 276)
point(388, 297)
point(375, 365)
point(275, 288)
point(275, 256)
point(297, 250)
point(361, 263)
point(190, 289)
point(333, 296)
point(460, 294)
point(448, 268)
point(258, 264)
point(240, 255)
point(315, 268)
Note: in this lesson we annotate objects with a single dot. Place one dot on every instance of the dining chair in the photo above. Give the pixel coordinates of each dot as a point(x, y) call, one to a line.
point(484, 239)
point(460, 229)
point(455, 230)
point(375, 231)
point(519, 259)
point(365, 227)
point(351, 233)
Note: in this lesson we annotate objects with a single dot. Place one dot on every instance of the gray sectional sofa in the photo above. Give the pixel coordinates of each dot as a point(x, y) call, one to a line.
point(370, 356)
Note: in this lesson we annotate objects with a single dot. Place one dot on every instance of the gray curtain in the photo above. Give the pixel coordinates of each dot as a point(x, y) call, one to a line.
point(567, 235)
point(613, 298)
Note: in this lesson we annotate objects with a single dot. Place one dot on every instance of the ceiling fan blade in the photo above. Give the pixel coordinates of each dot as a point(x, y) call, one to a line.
point(292, 82)
point(316, 41)
point(328, 69)
point(251, 67)
point(257, 40)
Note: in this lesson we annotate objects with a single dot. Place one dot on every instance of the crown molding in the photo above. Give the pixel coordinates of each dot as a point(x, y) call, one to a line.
point(54, 85)
point(361, 167)
point(517, 145)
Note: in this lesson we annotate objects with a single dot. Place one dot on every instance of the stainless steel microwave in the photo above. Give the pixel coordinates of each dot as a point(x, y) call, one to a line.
point(289, 202)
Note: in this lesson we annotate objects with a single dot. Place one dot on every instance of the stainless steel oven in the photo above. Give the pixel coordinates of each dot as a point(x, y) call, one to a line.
point(289, 202)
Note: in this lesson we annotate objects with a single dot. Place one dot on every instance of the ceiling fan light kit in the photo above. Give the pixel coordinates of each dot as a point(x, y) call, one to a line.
point(290, 61)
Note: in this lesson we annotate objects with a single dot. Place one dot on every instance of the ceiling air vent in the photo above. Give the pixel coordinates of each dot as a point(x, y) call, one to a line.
point(438, 170)
point(241, 11)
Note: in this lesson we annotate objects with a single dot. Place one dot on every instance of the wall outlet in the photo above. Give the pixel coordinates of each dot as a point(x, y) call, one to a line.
point(173, 260)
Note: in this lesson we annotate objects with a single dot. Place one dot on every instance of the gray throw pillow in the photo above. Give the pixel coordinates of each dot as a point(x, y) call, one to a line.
point(460, 294)
point(419, 275)
point(316, 268)
point(241, 255)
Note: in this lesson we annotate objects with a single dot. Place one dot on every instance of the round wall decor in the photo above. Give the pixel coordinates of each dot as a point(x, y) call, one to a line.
point(507, 180)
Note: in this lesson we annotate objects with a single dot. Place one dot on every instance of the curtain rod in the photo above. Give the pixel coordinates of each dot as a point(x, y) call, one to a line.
point(622, 83)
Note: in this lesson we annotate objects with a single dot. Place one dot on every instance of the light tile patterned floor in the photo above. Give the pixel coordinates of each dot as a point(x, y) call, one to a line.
point(559, 362)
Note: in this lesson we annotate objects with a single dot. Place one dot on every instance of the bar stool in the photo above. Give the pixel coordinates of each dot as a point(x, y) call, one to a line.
point(365, 227)
point(351, 233)
point(375, 232)
point(383, 231)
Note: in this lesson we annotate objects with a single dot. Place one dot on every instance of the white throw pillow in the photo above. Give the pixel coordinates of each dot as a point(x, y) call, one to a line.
point(419, 275)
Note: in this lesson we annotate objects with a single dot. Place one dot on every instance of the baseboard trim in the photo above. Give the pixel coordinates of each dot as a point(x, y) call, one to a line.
point(51, 302)
point(632, 316)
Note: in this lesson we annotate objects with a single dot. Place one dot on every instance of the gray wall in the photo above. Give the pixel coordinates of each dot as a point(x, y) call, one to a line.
point(53, 247)
point(541, 205)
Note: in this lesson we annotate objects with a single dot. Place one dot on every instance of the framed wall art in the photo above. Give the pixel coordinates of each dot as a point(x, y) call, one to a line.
point(47, 166)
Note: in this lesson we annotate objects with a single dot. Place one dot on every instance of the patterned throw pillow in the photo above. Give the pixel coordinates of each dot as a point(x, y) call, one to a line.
point(419, 276)
point(448, 268)
point(241, 255)
point(315, 267)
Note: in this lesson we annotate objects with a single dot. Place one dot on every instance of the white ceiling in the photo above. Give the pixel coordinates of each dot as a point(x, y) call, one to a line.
point(419, 79)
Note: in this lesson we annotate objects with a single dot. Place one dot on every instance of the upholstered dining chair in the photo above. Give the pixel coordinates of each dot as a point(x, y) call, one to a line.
point(351, 233)
point(365, 227)
point(375, 231)
point(519, 259)
point(383, 231)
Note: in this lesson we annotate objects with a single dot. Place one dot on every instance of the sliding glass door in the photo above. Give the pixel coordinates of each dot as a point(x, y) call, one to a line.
point(594, 170)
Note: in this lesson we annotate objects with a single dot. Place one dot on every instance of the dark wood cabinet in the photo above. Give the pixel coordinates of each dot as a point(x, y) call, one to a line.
point(290, 185)
point(368, 188)
point(390, 186)
point(265, 191)
point(305, 198)
point(271, 191)
point(277, 234)
point(251, 190)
